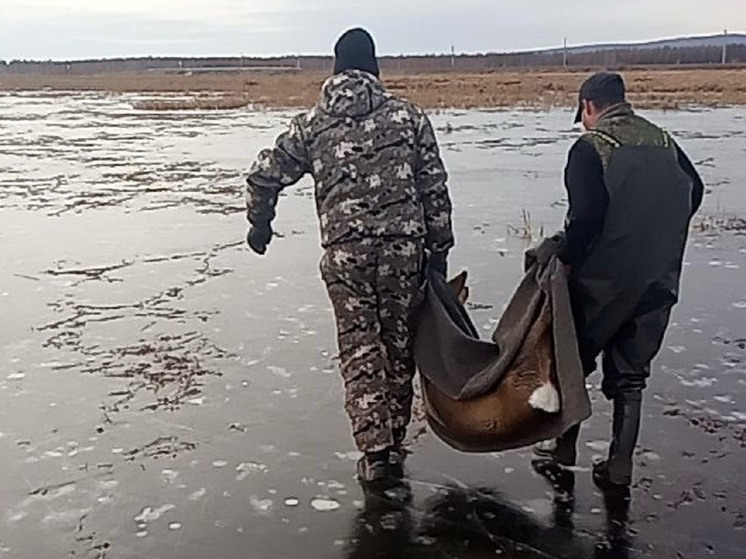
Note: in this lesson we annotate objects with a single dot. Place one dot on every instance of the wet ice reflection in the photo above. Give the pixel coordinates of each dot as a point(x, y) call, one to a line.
point(166, 394)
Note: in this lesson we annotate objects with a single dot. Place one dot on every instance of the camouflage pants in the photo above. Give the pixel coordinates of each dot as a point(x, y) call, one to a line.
point(374, 286)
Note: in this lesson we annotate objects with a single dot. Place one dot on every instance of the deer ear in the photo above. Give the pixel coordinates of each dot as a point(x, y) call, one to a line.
point(458, 284)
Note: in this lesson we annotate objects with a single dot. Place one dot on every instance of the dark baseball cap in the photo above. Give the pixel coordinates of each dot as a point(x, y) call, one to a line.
point(606, 88)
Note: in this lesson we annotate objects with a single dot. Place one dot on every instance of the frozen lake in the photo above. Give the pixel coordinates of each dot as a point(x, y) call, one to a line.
point(166, 394)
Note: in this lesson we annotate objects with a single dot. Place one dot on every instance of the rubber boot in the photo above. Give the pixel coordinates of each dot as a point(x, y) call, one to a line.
point(562, 450)
point(616, 472)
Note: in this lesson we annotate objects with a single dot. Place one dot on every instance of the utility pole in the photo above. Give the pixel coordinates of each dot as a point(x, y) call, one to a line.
point(453, 57)
point(724, 61)
point(564, 54)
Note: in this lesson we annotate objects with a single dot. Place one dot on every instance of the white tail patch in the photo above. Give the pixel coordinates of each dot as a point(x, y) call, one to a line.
point(545, 398)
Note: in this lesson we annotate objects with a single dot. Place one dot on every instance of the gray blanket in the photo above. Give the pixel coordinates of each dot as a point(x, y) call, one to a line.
point(450, 355)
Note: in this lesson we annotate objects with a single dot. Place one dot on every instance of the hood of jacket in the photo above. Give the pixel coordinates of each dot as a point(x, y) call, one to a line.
point(352, 93)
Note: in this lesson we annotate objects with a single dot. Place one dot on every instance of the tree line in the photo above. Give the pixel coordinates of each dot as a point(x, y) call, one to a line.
point(609, 58)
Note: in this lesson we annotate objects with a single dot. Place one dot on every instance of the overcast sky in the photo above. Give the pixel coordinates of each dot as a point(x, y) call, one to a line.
point(62, 29)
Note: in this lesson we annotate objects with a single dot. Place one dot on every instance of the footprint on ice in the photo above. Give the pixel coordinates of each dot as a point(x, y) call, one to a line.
point(324, 504)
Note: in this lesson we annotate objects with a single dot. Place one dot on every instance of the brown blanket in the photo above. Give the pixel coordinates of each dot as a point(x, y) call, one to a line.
point(524, 386)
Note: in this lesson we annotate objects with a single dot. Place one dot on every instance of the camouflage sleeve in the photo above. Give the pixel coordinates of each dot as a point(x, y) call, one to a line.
point(273, 170)
point(432, 180)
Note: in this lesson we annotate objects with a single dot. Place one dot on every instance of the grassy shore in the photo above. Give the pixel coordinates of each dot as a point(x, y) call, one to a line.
point(662, 89)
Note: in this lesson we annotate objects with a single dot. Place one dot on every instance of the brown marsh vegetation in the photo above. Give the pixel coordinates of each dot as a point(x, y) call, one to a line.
point(652, 89)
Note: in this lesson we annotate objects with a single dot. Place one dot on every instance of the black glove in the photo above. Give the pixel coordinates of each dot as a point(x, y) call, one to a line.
point(259, 237)
point(438, 262)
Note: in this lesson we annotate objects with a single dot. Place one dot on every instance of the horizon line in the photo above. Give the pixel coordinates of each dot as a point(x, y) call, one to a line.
point(535, 50)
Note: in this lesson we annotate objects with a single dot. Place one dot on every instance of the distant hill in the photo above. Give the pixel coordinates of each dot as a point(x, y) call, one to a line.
point(718, 41)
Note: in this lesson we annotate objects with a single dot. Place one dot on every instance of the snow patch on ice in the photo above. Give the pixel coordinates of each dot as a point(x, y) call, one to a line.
point(150, 514)
point(262, 506)
point(248, 468)
point(279, 371)
point(169, 476)
point(353, 456)
point(324, 504)
point(699, 383)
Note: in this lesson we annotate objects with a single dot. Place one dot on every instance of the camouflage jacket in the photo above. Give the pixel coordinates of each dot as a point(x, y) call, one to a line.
point(375, 162)
point(619, 125)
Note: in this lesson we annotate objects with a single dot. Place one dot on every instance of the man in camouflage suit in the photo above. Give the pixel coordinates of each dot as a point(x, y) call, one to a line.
point(384, 209)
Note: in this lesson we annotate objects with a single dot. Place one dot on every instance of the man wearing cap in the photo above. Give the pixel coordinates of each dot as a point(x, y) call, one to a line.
point(632, 193)
point(383, 208)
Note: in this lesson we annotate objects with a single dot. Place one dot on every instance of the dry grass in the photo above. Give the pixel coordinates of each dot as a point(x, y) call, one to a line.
point(204, 103)
point(719, 223)
point(526, 230)
point(665, 89)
